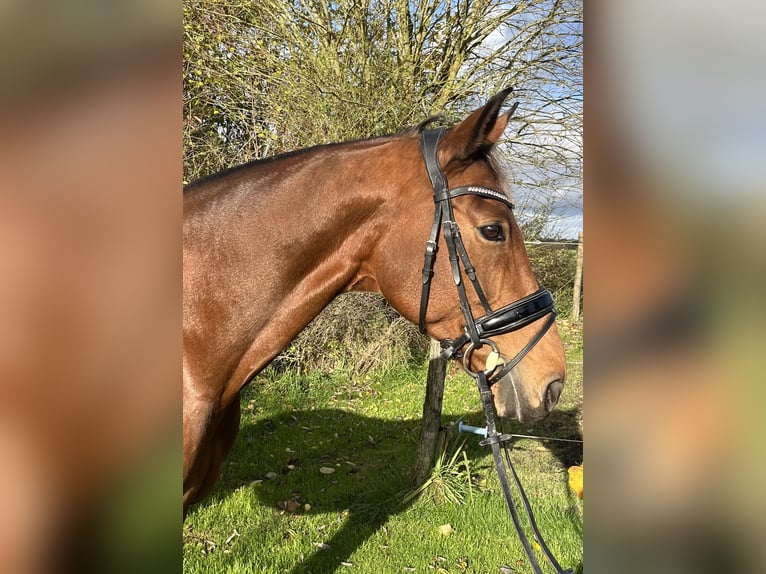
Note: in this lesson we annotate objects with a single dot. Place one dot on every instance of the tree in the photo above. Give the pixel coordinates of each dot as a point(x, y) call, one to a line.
point(262, 78)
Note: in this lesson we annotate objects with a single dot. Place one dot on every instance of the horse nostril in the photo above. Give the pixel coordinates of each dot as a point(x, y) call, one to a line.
point(552, 394)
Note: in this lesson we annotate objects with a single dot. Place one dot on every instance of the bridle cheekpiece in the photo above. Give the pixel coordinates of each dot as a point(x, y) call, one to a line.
point(511, 317)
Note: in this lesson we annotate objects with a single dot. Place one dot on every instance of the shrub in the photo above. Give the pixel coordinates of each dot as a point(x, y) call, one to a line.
point(357, 333)
point(554, 267)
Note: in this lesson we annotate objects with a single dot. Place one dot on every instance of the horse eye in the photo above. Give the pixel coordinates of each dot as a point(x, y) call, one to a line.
point(492, 232)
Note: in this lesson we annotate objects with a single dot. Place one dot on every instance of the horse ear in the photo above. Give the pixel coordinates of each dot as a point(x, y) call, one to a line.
point(477, 133)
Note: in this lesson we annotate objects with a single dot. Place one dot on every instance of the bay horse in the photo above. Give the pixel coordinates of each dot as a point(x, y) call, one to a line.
point(267, 245)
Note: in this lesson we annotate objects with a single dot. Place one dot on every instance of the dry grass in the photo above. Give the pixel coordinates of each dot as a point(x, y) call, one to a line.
point(357, 333)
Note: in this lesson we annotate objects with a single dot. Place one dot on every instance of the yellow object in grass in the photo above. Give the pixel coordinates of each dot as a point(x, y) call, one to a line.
point(575, 480)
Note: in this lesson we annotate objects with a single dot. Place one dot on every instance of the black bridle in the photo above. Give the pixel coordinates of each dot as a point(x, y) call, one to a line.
point(479, 332)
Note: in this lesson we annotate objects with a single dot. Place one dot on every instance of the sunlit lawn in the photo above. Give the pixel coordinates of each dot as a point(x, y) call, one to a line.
point(316, 481)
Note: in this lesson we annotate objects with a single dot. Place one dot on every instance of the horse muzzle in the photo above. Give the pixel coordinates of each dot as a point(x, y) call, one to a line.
point(513, 401)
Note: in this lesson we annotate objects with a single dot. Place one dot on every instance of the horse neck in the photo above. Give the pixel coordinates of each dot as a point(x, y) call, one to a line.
point(279, 240)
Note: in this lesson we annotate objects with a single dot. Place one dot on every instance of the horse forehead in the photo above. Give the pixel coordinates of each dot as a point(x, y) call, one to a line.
point(476, 173)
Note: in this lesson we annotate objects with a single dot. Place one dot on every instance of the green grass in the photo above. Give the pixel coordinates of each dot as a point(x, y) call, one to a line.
point(360, 518)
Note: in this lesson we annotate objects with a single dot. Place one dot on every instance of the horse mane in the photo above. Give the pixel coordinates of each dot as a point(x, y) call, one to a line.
point(420, 128)
point(413, 131)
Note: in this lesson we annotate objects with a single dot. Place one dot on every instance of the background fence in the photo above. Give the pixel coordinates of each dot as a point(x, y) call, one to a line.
point(558, 265)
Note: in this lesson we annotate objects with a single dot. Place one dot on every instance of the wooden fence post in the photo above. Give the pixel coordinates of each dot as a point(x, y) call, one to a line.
point(432, 413)
point(577, 283)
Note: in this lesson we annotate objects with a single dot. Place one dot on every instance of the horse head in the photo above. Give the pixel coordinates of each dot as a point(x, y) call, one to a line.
point(528, 357)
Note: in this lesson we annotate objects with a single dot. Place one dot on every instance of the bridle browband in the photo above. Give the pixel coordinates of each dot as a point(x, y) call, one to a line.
point(479, 332)
point(476, 332)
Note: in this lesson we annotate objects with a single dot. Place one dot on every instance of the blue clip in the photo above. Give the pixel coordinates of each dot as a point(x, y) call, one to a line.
point(482, 431)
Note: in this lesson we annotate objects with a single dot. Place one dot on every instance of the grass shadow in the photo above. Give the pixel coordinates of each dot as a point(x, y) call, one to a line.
point(563, 424)
point(284, 459)
point(370, 458)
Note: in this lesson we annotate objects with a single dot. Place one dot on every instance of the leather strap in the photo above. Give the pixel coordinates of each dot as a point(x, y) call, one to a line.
point(496, 441)
point(451, 236)
point(513, 316)
point(432, 246)
point(509, 366)
point(506, 319)
point(429, 145)
point(481, 191)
